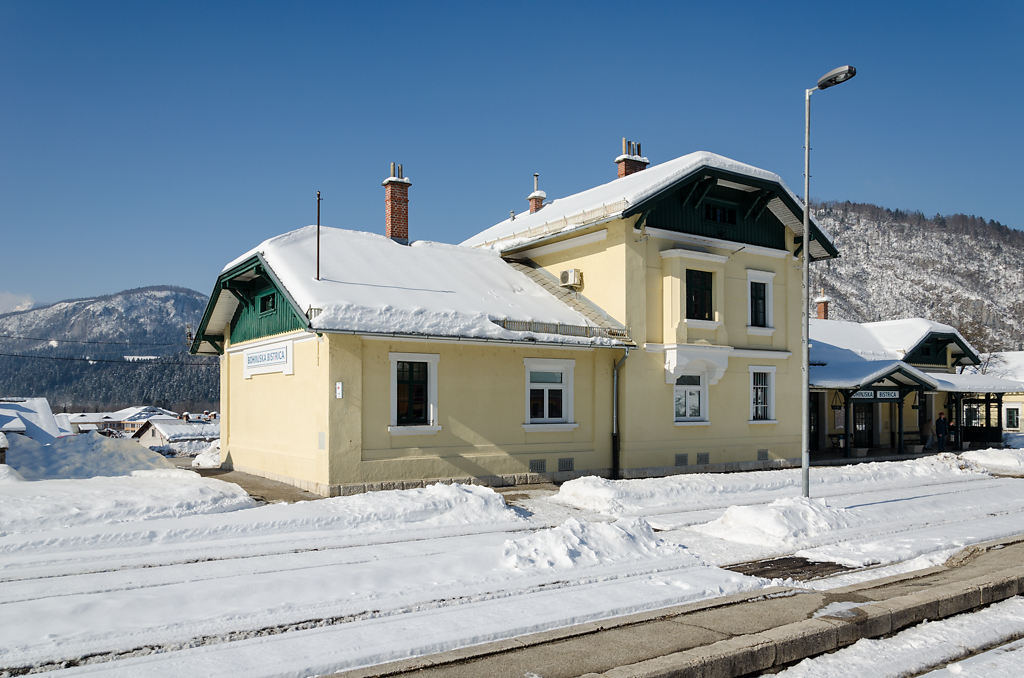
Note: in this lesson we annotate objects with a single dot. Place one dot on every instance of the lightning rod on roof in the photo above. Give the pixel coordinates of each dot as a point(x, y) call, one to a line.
point(318, 199)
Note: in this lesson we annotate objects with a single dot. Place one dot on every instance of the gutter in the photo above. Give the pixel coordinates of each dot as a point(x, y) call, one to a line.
point(616, 462)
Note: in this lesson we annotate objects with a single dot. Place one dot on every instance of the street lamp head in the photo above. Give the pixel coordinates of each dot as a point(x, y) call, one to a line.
point(836, 76)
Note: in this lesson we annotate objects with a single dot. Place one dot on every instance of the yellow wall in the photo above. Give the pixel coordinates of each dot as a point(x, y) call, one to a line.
point(481, 409)
point(627, 275)
point(271, 423)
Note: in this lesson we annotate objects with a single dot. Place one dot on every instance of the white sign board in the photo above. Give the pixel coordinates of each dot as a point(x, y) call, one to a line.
point(339, 390)
point(267, 359)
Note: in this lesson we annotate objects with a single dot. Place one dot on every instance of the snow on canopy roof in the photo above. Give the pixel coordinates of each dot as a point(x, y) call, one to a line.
point(856, 374)
point(31, 416)
point(611, 199)
point(849, 355)
point(974, 383)
point(370, 283)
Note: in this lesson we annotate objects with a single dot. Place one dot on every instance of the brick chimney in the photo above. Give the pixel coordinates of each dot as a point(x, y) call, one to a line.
point(631, 160)
point(537, 197)
point(822, 302)
point(396, 205)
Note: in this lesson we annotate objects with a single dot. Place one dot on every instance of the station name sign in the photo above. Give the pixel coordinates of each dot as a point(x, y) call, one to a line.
point(267, 359)
point(872, 394)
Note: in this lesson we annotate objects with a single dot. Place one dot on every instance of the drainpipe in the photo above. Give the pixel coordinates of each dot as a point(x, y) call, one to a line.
point(616, 471)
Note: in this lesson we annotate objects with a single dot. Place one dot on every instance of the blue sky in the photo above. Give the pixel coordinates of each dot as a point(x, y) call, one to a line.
point(150, 143)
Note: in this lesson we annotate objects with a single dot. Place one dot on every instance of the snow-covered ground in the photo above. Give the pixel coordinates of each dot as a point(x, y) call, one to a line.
point(931, 644)
point(315, 587)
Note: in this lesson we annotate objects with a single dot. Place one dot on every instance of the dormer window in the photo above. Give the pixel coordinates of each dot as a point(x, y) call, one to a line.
point(720, 214)
point(267, 303)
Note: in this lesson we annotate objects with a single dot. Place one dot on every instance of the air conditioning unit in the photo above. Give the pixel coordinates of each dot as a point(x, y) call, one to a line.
point(572, 277)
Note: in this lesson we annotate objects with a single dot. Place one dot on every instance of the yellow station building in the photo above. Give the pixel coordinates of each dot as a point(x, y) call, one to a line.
point(647, 326)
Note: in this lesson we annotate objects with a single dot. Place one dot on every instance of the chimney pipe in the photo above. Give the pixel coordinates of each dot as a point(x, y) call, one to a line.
point(396, 205)
point(631, 160)
point(537, 197)
point(822, 302)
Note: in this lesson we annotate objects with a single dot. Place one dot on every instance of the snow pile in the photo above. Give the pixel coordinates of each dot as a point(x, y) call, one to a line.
point(81, 456)
point(998, 461)
point(694, 491)
point(9, 475)
point(144, 495)
point(575, 544)
point(209, 457)
point(784, 522)
point(437, 509)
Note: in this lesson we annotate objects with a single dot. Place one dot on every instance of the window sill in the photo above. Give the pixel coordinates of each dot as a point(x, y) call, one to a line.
point(700, 422)
point(703, 324)
point(553, 427)
point(413, 430)
point(763, 421)
point(762, 331)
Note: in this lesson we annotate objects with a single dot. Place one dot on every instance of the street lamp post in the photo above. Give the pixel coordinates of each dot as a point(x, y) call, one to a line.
point(833, 77)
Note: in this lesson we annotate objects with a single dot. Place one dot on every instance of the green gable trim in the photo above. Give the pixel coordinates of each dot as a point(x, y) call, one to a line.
point(932, 350)
point(679, 207)
point(248, 322)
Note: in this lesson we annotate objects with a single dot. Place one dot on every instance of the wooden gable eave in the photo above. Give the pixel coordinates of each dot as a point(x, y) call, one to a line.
point(966, 355)
point(229, 298)
point(766, 195)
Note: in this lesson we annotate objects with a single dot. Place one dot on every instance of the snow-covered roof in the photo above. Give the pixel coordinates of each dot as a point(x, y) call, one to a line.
point(135, 413)
point(885, 340)
point(856, 374)
point(30, 416)
point(176, 430)
point(968, 382)
point(374, 285)
point(616, 197)
point(848, 355)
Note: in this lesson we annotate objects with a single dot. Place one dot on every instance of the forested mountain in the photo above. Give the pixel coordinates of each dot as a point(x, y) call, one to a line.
point(961, 270)
point(74, 352)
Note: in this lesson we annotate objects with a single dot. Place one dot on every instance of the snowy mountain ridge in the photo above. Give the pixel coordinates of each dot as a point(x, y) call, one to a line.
point(960, 270)
point(75, 352)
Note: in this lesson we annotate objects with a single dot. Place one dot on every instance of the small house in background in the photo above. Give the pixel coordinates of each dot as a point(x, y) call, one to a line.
point(164, 432)
point(31, 417)
point(126, 421)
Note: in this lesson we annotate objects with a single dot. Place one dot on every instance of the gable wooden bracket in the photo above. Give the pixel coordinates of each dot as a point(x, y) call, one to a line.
point(708, 184)
point(216, 342)
point(759, 204)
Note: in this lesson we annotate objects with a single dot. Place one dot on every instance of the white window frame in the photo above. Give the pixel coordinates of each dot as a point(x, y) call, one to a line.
point(1006, 416)
point(702, 419)
point(567, 368)
point(768, 278)
point(433, 425)
point(770, 371)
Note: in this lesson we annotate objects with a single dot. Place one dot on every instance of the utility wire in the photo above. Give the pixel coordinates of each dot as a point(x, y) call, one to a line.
point(137, 363)
point(84, 341)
